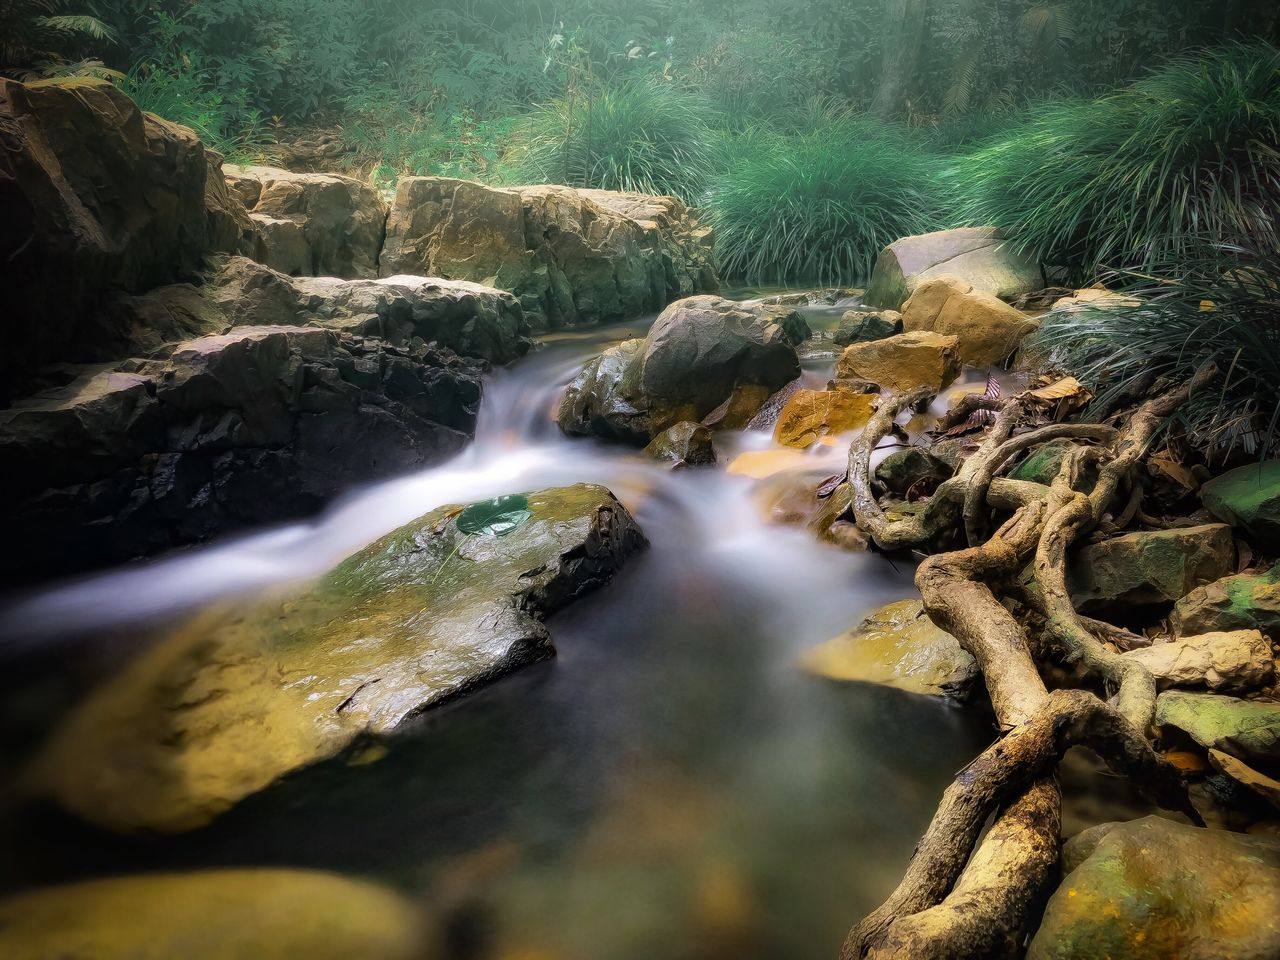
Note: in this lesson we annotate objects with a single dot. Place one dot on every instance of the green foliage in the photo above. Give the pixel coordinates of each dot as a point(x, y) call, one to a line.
point(184, 95)
point(1223, 308)
point(642, 135)
point(819, 206)
point(1144, 174)
point(37, 37)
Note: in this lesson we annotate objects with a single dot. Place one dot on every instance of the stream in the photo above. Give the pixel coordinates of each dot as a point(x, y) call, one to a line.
point(670, 785)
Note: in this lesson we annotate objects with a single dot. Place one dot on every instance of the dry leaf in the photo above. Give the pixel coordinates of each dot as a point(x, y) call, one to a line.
point(1164, 464)
point(1065, 389)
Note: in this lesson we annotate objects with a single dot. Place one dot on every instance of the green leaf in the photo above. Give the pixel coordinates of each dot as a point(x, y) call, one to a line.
point(495, 518)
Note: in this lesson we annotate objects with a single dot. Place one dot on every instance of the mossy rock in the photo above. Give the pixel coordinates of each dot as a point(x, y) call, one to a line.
point(1248, 729)
point(231, 702)
point(212, 915)
point(1246, 601)
point(1152, 889)
point(1248, 498)
point(1150, 566)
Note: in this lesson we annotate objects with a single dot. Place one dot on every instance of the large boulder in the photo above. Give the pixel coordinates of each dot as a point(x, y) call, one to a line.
point(860, 326)
point(468, 318)
point(247, 427)
point(1150, 566)
point(1247, 729)
point(572, 257)
point(1248, 498)
point(979, 255)
point(705, 358)
point(903, 362)
point(312, 224)
point(223, 708)
point(987, 328)
point(95, 196)
point(229, 914)
point(1246, 601)
point(899, 646)
point(1152, 889)
point(1239, 660)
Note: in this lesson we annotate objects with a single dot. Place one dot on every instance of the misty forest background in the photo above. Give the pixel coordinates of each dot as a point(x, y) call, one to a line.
point(1129, 141)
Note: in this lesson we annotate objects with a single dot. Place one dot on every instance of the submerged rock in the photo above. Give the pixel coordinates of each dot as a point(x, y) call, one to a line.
point(1248, 498)
point(684, 445)
point(97, 197)
point(1152, 889)
point(571, 256)
point(811, 415)
point(1240, 660)
point(311, 224)
point(225, 706)
point(1150, 566)
point(705, 359)
point(987, 328)
point(903, 362)
point(979, 255)
point(1246, 601)
point(232, 914)
point(1247, 729)
point(252, 426)
point(898, 646)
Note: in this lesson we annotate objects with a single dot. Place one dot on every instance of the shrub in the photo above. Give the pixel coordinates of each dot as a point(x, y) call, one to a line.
point(183, 94)
point(1225, 308)
point(1141, 176)
point(641, 135)
point(820, 206)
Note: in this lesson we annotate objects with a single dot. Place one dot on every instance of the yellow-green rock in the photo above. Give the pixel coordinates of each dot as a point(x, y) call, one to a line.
point(223, 707)
point(898, 646)
point(811, 415)
point(904, 362)
point(989, 330)
point(243, 914)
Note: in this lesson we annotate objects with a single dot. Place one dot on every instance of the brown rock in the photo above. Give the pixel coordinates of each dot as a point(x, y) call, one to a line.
point(904, 362)
point(1240, 660)
point(811, 415)
point(988, 329)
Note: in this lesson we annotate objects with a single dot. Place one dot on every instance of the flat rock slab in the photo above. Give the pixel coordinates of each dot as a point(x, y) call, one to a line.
point(903, 362)
point(1239, 660)
point(225, 706)
point(212, 915)
point(1247, 729)
point(898, 646)
point(1152, 889)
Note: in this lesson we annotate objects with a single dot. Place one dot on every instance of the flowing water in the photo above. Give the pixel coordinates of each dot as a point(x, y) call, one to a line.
point(670, 785)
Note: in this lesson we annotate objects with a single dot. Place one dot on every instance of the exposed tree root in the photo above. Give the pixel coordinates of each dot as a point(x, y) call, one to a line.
point(960, 898)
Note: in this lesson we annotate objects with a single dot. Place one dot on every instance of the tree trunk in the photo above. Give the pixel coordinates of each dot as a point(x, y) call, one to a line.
point(902, 42)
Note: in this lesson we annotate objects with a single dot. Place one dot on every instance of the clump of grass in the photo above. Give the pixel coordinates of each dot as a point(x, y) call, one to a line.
point(819, 206)
point(1223, 308)
point(643, 136)
point(1141, 176)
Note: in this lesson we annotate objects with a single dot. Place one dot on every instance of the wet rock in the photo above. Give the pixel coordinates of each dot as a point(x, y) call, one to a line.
point(95, 197)
point(1150, 567)
point(253, 426)
point(312, 224)
point(704, 359)
point(1152, 889)
point(470, 319)
point(898, 646)
point(861, 326)
point(1247, 601)
point(224, 707)
point(978, 255)
point(571, 256)
point(267, 914)
point(904, 469)
point(1248, 498)
point(828, 297)
point(1240, 660)
point(903, 362)
point(811, 415)
point(1246, 729)
point(684, 445)
point(987, 328)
